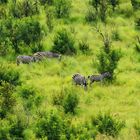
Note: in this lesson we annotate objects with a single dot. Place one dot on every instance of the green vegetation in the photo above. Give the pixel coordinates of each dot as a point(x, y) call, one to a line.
point(39, 100)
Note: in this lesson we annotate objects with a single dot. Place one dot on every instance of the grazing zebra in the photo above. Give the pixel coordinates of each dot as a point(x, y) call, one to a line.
point(47, 54)
point(80, 80)
point(98, 78)
point(25, 59)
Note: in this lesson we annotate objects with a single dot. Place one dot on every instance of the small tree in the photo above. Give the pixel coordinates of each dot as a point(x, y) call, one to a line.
point(64, 43)
point(108, 58)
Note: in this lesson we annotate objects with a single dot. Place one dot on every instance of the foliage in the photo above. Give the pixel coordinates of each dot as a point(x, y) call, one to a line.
point(8, 100)
point(71, 101)
point(64, 43)
point(107, 125)
point(50, 19)
point(49, 2)
point(3, 1)
point(4, 129)
point(50, 126)
point(84, 47)
point(8, 74)
point(101, 7)
point(91, 15)
point(27, 32)
point(137, 23)
point(17, 129)
point(137, 127)
point(30, 96)
point(24, 8)
point(108, 58)
point(135, 4)
point(62, 8)
point(114, 3)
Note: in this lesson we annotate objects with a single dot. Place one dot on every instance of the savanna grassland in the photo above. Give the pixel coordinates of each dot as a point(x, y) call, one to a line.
point(39, 100)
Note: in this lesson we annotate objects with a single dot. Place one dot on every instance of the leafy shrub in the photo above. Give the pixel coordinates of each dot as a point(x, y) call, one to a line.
point(135, 4)
point(64, 43)
point(17, 129)
point(84, 47)
point(107, 125)
point(21, 33)
point(70, 102)
point(4, 129)
point(8, 74)
point(50, 126)
point(91, 15)
point(58, 98)
point(30, 96)
point(116, 35)
point(108, 58)
point(24, 8)
point(82, 131)
point(8, 100)
point(62, 8)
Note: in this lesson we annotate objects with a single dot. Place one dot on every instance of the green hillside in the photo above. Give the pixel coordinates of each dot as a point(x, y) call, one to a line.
point(39, 101)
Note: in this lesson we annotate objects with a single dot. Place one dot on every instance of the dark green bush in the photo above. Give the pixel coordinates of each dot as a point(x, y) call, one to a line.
point(114, 3)
point(116, 35)
point(8, 74)
point(8, 100)
point(70, 102)
point(135, 4)
point(3, 1)
point(91, 15)
point(24, 8)
point(17, 129)
point(108, 58)
point(107, 125)
point(84, 47)
point(4, 129)
point(64, 43)
point(30, 96)
point(50, 126)
point(62, 8)
point(23, 33)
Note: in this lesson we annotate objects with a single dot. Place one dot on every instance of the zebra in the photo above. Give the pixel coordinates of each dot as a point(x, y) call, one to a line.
point(25, 59)
point(47, 54)
point(78, 79)
point(98, 78)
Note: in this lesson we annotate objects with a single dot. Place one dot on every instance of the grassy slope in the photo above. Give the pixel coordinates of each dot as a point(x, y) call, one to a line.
point(120, 98)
